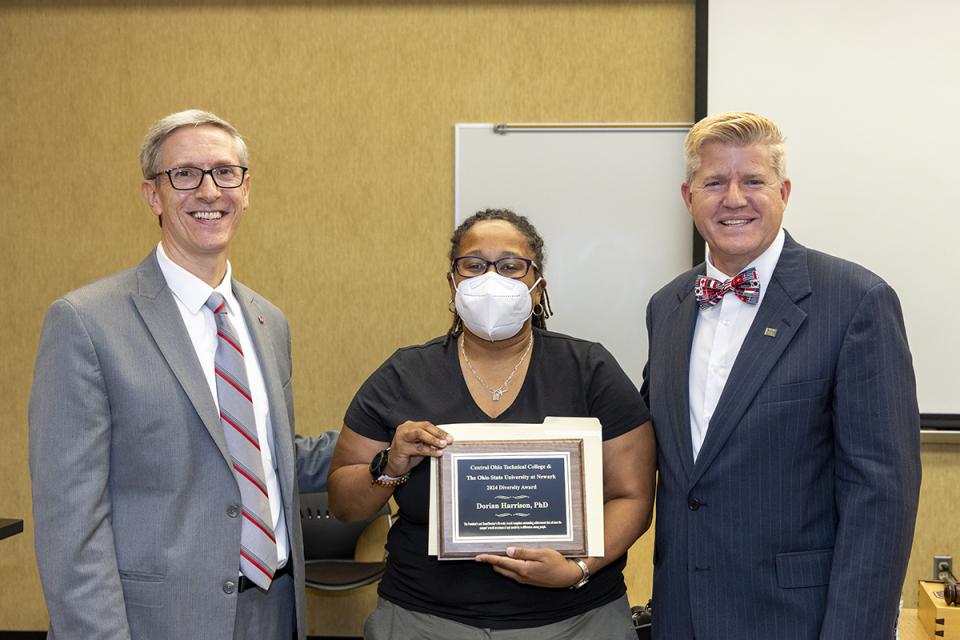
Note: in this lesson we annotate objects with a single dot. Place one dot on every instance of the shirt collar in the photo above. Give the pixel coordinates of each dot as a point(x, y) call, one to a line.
point(765, 263)
point(190, 290)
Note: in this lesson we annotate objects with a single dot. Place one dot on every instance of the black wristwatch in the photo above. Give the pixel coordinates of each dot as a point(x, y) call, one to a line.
point(377, 466)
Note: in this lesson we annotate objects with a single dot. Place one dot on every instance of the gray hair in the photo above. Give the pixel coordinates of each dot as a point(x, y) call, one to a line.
point(150, 150)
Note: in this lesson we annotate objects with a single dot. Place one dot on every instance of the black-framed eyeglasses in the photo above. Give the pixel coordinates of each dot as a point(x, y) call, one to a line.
point(509, 267)
point(228, 176)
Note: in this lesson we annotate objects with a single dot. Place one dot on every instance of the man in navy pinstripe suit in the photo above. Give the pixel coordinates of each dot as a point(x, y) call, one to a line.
point(784, 403)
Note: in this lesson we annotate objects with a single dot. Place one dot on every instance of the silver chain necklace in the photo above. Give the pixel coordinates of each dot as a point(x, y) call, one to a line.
point(497, 393)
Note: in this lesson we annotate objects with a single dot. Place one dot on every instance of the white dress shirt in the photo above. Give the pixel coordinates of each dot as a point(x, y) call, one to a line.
point(719, 334)
point(191, 294)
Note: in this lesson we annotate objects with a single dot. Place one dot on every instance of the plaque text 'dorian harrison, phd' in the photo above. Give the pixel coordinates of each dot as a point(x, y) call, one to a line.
point(511, 493)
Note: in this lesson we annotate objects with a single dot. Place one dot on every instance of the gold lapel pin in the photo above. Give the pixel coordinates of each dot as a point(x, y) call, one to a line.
point(770, 332)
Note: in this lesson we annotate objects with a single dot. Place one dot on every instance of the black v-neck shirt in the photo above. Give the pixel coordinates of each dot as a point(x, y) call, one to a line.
point(566, 377)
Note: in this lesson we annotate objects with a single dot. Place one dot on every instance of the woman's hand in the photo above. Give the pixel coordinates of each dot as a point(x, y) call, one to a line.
point(412, 442)
point(537, 567)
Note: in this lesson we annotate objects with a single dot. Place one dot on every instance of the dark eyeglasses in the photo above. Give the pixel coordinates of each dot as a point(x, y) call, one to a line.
point(228, 176)
point(509, 267)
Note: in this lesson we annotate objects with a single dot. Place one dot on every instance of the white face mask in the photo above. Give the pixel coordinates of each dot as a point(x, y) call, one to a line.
point(494, 307)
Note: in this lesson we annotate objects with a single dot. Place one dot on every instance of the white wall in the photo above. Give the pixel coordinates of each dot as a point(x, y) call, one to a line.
point(867, 93)
point(609, 209)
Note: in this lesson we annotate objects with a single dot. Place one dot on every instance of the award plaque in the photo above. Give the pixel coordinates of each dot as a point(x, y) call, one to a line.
point(511, 493)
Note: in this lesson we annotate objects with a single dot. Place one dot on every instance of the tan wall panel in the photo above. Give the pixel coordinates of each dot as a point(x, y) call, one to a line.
point(349, 111)
point(938, 521)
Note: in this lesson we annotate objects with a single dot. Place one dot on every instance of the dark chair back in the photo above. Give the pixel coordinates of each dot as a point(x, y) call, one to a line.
point(329, 547)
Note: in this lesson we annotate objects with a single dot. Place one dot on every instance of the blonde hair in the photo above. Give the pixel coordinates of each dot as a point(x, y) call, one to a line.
point(150, 150)
point(738, 129)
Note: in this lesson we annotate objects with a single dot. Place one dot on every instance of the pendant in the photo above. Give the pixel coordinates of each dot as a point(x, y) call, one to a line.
point(497, 393)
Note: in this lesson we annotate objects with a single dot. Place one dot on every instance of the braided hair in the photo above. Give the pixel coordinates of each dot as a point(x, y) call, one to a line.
point(535, 241)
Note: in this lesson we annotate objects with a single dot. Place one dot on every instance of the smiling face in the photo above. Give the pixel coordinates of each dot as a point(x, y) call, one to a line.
point(197, 225)
point(737, 203)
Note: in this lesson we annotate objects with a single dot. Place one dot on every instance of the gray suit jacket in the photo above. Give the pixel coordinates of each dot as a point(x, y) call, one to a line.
point(797, 518)
point(131, 481)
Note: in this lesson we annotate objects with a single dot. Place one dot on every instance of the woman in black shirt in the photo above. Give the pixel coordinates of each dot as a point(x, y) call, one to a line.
point(498, 337)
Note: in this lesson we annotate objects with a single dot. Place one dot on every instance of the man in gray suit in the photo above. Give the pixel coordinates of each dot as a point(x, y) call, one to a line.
point(159, 513)
point(784, 402)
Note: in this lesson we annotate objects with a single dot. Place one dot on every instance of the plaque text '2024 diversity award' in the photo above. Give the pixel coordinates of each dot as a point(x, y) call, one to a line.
point(497, 494)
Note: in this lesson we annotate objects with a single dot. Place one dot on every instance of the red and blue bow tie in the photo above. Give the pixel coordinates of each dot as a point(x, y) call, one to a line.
point(745, 285)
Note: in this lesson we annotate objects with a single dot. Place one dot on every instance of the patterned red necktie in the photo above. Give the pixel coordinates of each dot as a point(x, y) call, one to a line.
point(258, 546)
point(745, 285)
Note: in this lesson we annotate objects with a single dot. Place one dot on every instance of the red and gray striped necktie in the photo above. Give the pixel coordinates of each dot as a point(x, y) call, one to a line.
point(258, 546)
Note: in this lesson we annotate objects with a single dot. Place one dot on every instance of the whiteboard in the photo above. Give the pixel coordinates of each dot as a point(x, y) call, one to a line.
point(866, 95)
point(608, 206)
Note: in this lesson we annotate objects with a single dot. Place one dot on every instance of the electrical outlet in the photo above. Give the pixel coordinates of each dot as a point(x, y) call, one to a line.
point(937, 568)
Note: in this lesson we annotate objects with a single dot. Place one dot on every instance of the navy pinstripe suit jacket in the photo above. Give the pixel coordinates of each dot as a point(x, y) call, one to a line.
point(797, 518)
